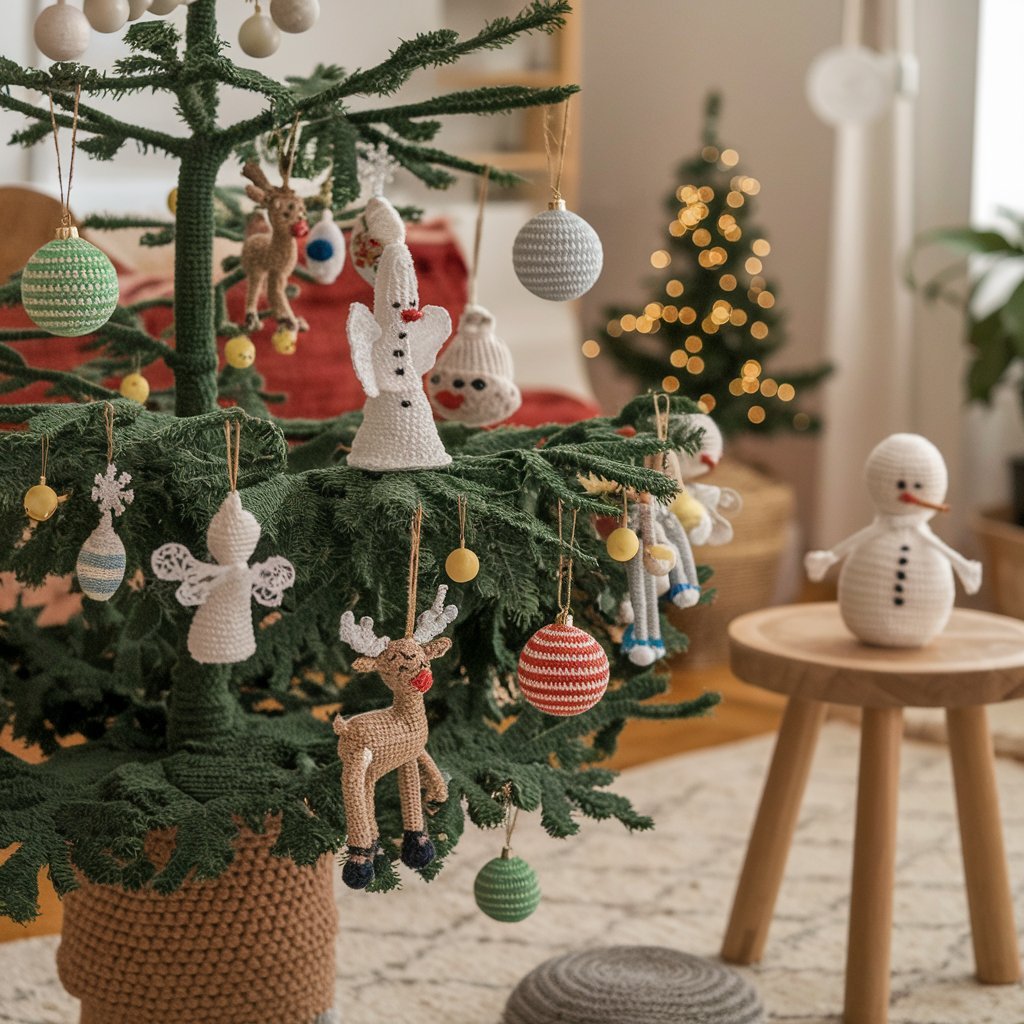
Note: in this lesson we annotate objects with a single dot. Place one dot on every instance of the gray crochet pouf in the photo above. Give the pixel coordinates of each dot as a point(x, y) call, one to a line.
point(632, 985)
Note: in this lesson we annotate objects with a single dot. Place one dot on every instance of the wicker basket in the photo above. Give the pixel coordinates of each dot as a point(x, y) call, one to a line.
point(254, 946)
point(746, 569)
point(1002, 542)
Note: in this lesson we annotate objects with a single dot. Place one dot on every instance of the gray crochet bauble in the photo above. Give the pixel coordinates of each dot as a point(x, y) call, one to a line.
point(557, 255)
point(632, 985)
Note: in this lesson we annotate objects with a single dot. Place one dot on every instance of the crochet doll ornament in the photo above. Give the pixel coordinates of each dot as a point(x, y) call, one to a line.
point(392, 348)
point(222, 591)
point(701, 508)
point(896, 586)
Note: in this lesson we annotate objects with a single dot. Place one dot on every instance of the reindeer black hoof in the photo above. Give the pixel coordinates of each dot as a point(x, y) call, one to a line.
point(417, 850)
point(252, 323)
point(358, 870)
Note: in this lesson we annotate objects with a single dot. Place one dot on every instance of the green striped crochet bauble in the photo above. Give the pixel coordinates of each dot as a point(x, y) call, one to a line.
point(507, 889)
point(69, 287)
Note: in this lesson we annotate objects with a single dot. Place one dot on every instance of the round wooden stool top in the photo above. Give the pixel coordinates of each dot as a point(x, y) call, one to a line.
point(805, 650)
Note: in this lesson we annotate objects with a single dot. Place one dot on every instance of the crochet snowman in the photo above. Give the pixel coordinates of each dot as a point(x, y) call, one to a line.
point(392, 348)
point(472, 381)
point(896, 586)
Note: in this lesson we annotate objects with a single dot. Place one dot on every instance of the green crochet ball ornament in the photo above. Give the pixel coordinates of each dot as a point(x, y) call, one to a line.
point(69, 287)
point(506, 888)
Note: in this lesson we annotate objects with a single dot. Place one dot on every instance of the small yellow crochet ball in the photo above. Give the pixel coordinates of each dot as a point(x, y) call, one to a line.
point(135, 387)
point(687, 509)
point(659, 559)
point(285, 341)
point(240, 352)
point(40, 502)
point(623, 544)
point(462, 565)
point(172, 202)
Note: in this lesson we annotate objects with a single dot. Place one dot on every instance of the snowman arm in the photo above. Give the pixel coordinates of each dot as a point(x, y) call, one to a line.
point(432, 332)
point(363, 332)
point(817, 563)
point(968, 570)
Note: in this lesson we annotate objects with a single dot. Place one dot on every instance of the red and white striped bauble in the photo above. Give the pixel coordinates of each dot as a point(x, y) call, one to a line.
point(563, 670)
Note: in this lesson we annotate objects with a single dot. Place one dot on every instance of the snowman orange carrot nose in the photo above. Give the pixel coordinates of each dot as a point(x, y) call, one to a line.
point(708, 461)
point(913, 499)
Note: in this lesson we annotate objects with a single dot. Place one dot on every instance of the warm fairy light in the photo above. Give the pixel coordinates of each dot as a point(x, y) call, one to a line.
point(676, 230)
point(695, 365)
point(694, 343)
point(801, 421)
point(759, 330)
point(757, 283)
point(733, 234)
point(687, 315)
point(736, 387)
point(769, 387)
point(718, 254)
point(669, 314)
point(705, 193)
point(614, 329)
point(707, 402)
point(689, 217)
point(749, 385)
point(761, 247)
point(727, 282)
point(709, 153)
point(687, 194)
point(730, 157)
point(708, 326)
point(719, 316)
point(737, 318)
point(591, 349)
point(678, 357)
point(628, 322)
point(766, 300)
point(787, 392)
point(674, 288)
point(751, 368)
point(660, 259)
point(701, 236)
point(653, 310)
point(753, 265)
point(705, 259)
point(755, 414)
point(644, 324)
point(670, 384)
point(734, 199)
point(727, 220)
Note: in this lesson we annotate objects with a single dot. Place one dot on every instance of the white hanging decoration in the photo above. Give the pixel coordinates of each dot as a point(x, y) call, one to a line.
point(259, 36)
point(137, 8)
point(163, 7)
point(848, 85)
point(61, 31)
point(392, 348)
point(222, 591)
point(107, 15)
point(376, 169)
point(325, 249)
point(295, 15)
point(101, 560)
point(701, 508)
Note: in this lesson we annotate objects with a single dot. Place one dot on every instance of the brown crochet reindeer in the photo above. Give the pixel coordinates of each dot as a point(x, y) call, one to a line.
point(269, 257)
point(392, 739)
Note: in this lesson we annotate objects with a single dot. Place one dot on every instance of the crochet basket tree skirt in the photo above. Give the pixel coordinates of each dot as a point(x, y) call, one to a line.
point(254, 946)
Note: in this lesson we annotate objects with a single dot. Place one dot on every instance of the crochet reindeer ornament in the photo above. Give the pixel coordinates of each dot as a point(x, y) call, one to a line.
point(375, 743)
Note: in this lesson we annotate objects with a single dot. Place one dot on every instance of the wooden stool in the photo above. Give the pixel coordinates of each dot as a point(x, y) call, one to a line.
point(805, 652)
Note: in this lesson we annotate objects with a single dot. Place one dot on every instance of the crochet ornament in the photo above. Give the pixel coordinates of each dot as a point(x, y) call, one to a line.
point(506, 888)
point(137, 8)
point(392, 348)
point(222, 591)
point(375, 743)
point(61, 32)
point(462, 564)
point(101, 560)
point(107, 15)
point(563, 670)
point(135, 387)
point(258, 36)
point(269, 257)
point(325, 249)
point(41, 500)
point(294, 15)
point(376, 168)
point(896, 586)
point(701, 508)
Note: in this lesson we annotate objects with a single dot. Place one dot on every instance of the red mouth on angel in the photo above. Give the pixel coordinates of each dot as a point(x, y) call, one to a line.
point(422, 682)
point(449, 399)
point(410, 316)
point(300, 229)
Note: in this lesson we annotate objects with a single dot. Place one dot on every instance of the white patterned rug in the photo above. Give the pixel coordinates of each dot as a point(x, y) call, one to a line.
point(427, 954)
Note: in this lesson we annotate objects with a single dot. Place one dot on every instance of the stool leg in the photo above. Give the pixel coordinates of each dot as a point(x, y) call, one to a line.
point(981, 838)
point(874, 862)
point(772, 835)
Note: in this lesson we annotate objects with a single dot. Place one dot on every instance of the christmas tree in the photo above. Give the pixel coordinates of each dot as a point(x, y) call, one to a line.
point(164, 742)
point(712, 323)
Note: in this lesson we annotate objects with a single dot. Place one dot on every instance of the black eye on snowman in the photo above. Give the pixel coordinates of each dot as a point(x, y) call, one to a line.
point(458, 383)
point(396, 305)
point(917, 486)
point(436, 379)
point(901, 484)
point(478, 384)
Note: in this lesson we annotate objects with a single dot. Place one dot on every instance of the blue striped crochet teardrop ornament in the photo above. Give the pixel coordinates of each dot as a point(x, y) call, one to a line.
point(102, 560)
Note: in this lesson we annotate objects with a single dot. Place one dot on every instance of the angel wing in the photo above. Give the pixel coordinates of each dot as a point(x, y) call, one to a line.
point(432, 332)
point(270, 579)
point(717, 500)
point(176, 562)
point(363, 332)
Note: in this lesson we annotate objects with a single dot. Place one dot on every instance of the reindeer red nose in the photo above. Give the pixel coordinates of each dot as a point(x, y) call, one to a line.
point(300, 228)
point(410, 316)
point(423, 682)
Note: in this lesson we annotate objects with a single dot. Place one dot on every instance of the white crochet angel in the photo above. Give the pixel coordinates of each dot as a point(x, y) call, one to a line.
point(701, 508)
point(222, 591)
point(392, 348)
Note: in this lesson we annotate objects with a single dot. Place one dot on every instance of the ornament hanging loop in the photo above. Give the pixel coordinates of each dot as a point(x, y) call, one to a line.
point(662, 415)
point(478, 235)
point(462, 520)
point(554, 153)
point(511, 817)
point(565, 569)
point(233, 448)
point(414, 570)
point(66, 229)
point(108, 423)
point(44, 445)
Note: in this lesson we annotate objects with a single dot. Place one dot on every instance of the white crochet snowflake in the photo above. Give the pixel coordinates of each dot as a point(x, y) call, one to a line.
point(111, 491)
point(376, 167)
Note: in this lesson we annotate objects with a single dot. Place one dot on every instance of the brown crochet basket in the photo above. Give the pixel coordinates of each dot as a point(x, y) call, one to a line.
point(746, 569)
point(254, 946)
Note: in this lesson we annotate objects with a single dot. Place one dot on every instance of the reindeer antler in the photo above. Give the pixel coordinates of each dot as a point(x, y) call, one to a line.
point(361, 638)
point(256, 175)
point(436, 618)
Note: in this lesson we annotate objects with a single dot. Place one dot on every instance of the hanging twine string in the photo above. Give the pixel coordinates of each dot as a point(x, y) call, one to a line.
point(625, 506)
point(511, 817)
point(65, 200)
point(565, 568)
point(556, 163)
point(462, 520)
point(414, 571)
point(45, 445)
point(484, 180)
point(286, 147)
point(233, 455)
point(108, 422)
point(661, 424)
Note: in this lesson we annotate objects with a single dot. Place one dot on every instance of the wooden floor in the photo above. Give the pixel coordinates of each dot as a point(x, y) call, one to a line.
point(744, 711)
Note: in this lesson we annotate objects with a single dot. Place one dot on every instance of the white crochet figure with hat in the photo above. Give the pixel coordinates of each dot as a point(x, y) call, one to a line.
point(896, 586)
point(699, 507)
point(392, 348)
point(472, 381)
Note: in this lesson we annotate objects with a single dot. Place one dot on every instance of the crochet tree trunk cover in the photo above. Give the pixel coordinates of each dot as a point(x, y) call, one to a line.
point(254, 946)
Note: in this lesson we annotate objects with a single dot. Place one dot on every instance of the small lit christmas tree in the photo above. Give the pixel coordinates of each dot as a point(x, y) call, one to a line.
point(712, 323)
